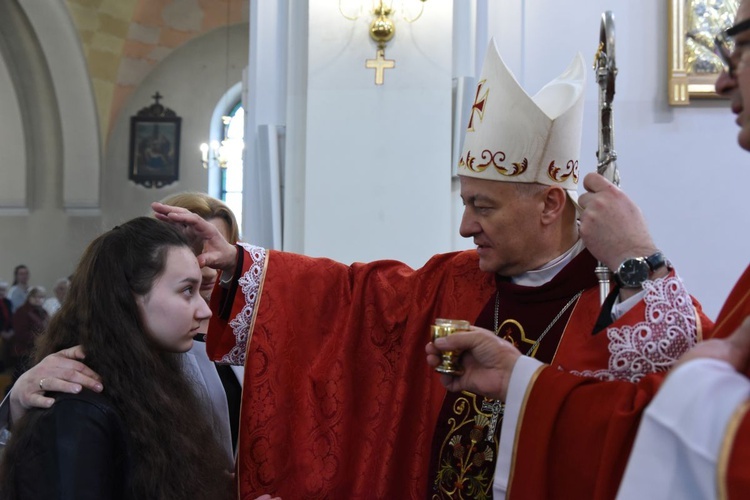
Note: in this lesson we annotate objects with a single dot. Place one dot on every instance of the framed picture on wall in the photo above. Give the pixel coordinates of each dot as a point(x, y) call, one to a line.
point(154, 159)
point(694, 66)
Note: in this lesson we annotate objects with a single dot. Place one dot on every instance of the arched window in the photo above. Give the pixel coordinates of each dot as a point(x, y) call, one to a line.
point(230, 187)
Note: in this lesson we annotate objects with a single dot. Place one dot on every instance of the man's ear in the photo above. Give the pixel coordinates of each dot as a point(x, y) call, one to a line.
point(555, 201)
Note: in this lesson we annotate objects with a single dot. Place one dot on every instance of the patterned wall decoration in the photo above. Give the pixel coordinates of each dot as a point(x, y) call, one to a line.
point(123, 40)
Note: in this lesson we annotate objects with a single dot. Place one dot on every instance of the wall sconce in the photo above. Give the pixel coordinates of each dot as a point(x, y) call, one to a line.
point(382, 30)
point(221, 153)
point(213, 154)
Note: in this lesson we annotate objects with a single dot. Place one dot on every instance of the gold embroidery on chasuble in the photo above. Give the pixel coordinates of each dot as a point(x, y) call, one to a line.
point(468, 449)
point(469, 442)
point(511, 330)
point(465, 453)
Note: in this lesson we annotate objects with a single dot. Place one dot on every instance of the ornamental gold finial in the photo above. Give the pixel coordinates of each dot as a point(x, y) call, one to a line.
point(382, 28)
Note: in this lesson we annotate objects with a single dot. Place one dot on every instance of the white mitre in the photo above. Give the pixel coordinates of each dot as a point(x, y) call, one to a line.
point(512, 137)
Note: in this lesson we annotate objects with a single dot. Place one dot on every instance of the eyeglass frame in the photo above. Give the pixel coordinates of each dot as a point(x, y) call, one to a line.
point(724, 45)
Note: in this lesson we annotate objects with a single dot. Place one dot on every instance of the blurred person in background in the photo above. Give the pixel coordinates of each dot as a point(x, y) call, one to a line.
point(6, 323)
point(52, 304)
point(19, 290)
point(29, 320)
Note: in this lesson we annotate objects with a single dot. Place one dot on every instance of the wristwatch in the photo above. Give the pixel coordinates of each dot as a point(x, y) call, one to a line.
point(634, 271)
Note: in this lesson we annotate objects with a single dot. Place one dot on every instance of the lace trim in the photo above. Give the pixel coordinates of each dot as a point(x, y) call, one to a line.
point(669, 330)
point(250, 285)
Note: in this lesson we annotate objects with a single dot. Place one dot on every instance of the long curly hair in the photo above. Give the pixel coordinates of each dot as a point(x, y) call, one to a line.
point(176, 454)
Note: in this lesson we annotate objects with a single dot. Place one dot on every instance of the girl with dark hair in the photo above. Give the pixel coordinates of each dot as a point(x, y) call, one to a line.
point(218, 386)
point(133, 304)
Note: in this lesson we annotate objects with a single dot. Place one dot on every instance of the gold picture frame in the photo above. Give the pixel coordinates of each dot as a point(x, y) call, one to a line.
point(693, 66)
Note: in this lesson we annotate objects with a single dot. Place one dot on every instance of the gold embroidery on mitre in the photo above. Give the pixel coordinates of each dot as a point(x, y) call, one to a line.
point(468, 162)
point(491, 158)
point(478, 106)
point(495, 159)
point(558, 174)
point(520, 168)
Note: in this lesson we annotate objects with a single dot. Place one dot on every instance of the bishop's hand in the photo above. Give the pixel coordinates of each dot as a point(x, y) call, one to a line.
point(487, 361)
point(216, 253)
point(612, 226)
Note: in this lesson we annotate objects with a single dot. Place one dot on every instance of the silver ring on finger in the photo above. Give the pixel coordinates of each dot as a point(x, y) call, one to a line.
point(41, 384)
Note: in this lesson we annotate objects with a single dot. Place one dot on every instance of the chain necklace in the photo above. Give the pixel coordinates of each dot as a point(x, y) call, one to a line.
point(497, 408)
point(546, 330)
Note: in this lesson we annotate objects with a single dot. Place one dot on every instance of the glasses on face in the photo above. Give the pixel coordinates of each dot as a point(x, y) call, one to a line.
point(724, 45)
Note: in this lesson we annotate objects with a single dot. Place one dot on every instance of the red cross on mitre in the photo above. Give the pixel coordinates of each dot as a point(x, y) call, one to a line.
point(478, 106)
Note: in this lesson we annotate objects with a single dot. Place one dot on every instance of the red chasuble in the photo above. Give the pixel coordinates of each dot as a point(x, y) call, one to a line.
point(650, 337)
point(338, 400)
point(464, 449)
point(575, 434)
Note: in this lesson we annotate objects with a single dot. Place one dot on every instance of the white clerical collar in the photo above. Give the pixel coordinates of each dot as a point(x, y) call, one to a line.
point(544, 274)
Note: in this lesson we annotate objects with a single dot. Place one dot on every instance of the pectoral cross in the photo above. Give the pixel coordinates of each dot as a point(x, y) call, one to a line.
point(380, 64)
point(497, 408)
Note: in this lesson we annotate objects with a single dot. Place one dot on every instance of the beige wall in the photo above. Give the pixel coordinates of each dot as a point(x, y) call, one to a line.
point(42, 233)
point(124, 40)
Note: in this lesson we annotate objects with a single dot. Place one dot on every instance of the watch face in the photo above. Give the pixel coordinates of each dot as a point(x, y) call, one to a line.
point(633, 272)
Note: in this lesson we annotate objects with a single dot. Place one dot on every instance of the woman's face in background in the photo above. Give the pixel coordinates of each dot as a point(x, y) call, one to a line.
point(36, 298)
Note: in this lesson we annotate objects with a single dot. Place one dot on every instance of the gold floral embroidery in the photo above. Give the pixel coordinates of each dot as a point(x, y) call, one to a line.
point(462, 471)
point(495, 159)
point(559, 175)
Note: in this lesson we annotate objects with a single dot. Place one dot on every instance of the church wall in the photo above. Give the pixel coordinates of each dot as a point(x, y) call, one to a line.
point(682, 165)
point(193, 79)
point(13, 187)
point(58, 39)
point(378, 156)
point(35, 229)
point(666, 153)
point(44, 235)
